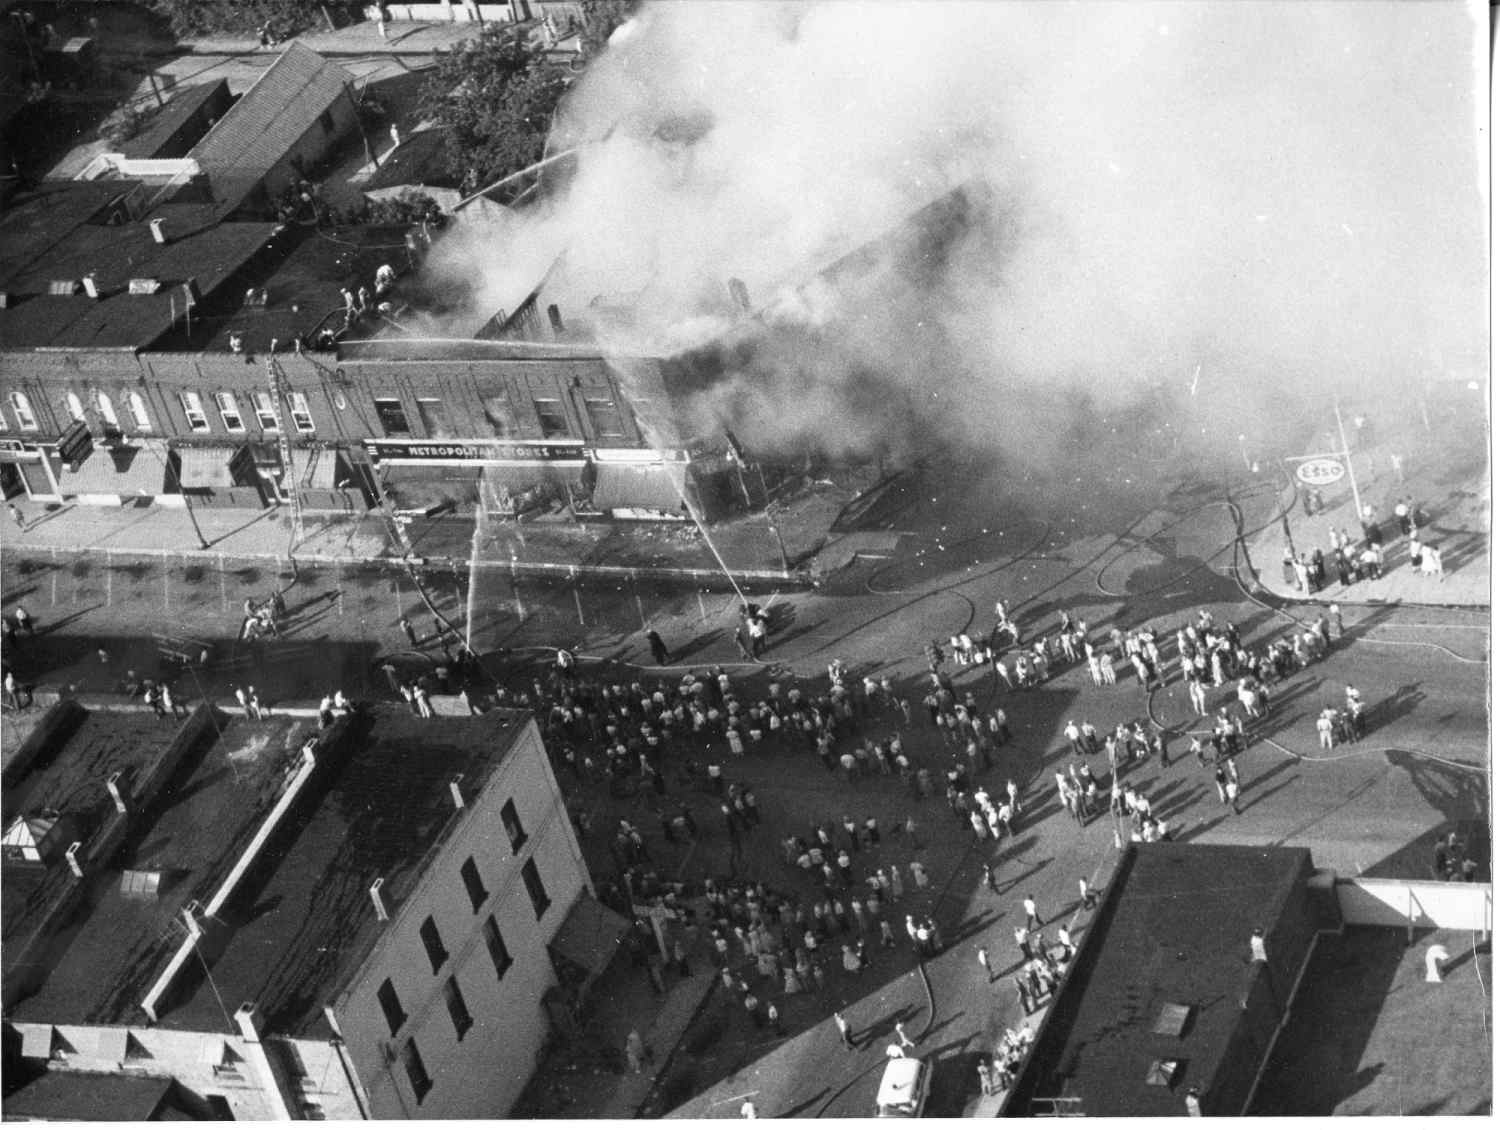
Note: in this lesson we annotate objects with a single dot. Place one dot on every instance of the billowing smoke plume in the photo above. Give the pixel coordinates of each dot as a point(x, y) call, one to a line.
point(1253, 199)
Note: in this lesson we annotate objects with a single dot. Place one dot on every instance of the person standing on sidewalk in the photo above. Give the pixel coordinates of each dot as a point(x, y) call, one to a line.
point(244, 701)
point(1232, 791)
point(16, 516)
point(844, 1032)
point(24, 622)
point(984, 963)
point(407, 630)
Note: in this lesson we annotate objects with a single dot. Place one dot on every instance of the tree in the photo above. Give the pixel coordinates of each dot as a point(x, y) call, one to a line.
point(496, 102)
point(600, 19)
point(219, 17)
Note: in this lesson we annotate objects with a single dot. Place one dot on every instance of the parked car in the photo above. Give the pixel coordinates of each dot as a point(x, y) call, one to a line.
point(903, 1088)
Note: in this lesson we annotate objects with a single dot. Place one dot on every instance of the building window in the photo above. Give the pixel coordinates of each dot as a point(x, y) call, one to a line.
point(4, 423)
point(107, 412)
point(434, 417)
point(392, 416)
point(533, 880)
point(496, 945)
point(550, 415)
point(457, 1009)
point(416, 1070)
point(20, 404)
point(301, 418)
point(512, 821)
point(192, 408)
point(265, 411)
point(501, 415)
point(75, 406)
point(604, 417)
point(138, 411)
point(473, 883)
point(390, 1004)
point(229, 411)
point(437, 953)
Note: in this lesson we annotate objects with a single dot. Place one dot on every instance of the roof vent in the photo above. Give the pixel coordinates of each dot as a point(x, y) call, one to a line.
point(145, 286)
point(90, 286)
point(4, 300)
point(71, 855)
point(455, 788)
point(377, 896)
point(159, 230)
point(64, 287)
point(112, 783)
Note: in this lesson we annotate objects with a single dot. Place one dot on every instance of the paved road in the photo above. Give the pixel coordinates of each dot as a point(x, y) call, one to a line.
point(1146, 553)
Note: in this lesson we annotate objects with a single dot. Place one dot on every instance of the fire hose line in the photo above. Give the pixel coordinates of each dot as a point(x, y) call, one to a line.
point(1280, 610)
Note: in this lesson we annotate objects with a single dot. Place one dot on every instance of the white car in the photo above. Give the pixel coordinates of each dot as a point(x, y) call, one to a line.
point(903, 1089)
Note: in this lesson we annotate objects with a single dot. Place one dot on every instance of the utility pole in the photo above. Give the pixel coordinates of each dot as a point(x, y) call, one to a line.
point(1348, 461)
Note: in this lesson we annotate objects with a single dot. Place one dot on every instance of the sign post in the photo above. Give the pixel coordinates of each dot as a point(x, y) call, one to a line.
point(1348, 462)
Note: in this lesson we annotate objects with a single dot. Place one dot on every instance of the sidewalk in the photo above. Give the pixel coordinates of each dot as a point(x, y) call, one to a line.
point(1452, 493)
point(644, 550)
point(361, 38)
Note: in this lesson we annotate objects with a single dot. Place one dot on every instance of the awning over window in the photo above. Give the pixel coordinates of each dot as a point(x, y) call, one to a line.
point(206, 468)
point(590, 935)
point(653, 486)
point(313, 468)
point(132, 471)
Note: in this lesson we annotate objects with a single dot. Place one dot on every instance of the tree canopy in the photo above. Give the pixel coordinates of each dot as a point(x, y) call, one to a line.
point(496, 100)
point(600, 19)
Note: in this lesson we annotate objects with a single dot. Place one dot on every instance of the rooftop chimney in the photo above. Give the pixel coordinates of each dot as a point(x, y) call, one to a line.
point(72, 857)
point(456, 790)
point(159, 230)
point(382, 914)
point(90, 287)
point(190, 919)
point(112, 783)
point(249, 1022)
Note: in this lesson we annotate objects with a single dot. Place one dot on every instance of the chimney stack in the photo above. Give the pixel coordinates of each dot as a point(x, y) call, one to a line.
point(90, 287)
point(71, 855)
point(190, 919)
point(248, 1020)
point(382, 914)
point(112, 783)
point(456, 790)
point(159, 230)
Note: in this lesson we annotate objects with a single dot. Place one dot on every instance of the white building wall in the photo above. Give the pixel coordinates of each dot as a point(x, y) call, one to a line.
point(211, 1065)
point(481, 1074)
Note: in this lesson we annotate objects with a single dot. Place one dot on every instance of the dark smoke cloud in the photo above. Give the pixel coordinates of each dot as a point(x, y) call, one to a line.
point(1286, 199)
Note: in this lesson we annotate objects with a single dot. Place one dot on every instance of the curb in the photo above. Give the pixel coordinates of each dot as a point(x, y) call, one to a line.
point(709, 578)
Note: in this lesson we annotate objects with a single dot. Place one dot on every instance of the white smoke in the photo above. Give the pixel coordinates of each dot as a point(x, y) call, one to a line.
point(1288, 196)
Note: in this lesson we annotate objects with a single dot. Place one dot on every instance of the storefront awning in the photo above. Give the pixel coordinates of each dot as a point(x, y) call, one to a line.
point(313, 468)
point(206, 467)
point(590, 935)
point(653, 486)
point(125, 471)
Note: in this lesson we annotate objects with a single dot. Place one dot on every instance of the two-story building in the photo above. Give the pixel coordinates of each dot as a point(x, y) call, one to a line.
point(370, 921)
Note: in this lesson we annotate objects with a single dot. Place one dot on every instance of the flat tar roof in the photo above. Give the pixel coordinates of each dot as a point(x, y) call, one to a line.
point(1177, 934)
point(295, 936)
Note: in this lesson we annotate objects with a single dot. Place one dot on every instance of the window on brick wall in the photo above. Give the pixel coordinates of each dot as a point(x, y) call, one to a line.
point(496, 945)
point(192, 408)
point(392, 416)
point(511, 820)
point(453, 997)
point(533, 880)
point(390, 1004)
point(432, 941)
point(229, 411)
point(551, 417)
point(416, 1070)
point(473, 883)
point(604, 417)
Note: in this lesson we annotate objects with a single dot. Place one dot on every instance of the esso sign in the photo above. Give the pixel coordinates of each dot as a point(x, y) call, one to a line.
point(1320, 472)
